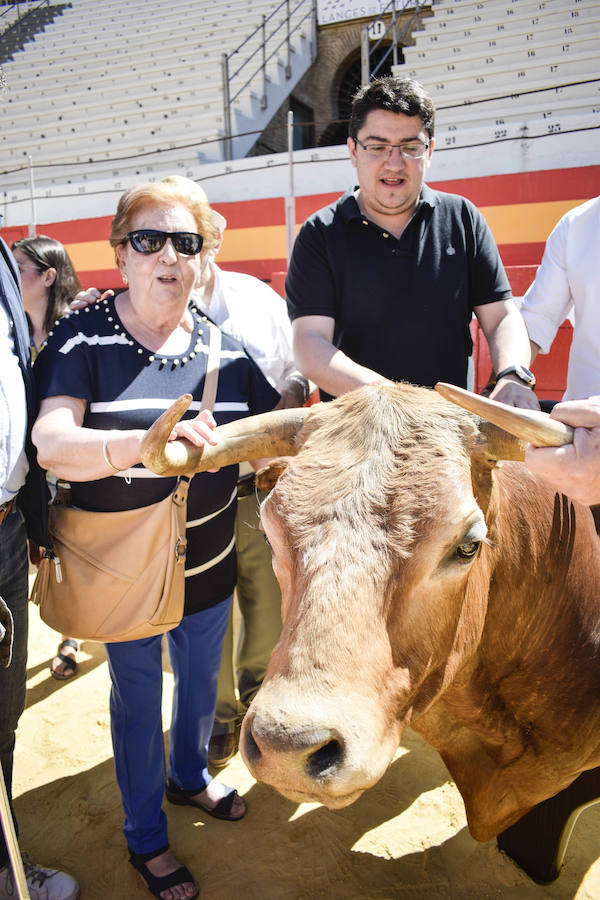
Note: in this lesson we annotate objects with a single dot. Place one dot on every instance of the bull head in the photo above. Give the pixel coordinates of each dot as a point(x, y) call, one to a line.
point(503, 432)
point(388, 550)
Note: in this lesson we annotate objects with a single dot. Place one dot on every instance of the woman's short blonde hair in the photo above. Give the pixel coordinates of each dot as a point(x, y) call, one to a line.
point(171, 190)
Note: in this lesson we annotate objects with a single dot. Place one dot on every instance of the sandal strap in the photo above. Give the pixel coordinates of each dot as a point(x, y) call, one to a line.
point(223, 807)
point(185, 793)
point(138, 859)
point(159, 883)
point(68, 642)
point(68, 661)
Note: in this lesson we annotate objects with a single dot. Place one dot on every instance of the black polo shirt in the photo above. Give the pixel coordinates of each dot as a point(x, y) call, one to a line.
point(401, 306)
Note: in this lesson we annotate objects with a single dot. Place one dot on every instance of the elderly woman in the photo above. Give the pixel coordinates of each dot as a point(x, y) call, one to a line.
point(105, 375)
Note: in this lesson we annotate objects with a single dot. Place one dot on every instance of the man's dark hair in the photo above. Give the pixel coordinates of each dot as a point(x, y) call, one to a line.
point(398, 95)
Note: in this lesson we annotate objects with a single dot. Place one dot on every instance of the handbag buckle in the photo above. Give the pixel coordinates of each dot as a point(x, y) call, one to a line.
point(181, 490)
point(180, 549)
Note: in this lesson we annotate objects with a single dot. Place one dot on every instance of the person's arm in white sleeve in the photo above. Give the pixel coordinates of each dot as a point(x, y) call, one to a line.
point(548, 301)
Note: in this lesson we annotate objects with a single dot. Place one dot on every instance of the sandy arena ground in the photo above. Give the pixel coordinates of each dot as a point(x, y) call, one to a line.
point(406, 838)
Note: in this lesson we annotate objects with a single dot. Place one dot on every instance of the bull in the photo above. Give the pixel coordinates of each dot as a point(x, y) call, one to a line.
point(426, 581)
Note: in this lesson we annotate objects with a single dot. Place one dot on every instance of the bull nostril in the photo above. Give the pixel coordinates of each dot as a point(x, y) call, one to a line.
point(251, 750)
point(324, 760)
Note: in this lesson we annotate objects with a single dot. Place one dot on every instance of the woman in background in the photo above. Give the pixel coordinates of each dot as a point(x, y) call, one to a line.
point(48, 285)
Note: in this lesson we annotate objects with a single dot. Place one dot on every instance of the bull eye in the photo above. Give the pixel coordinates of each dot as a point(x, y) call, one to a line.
point(468, 550)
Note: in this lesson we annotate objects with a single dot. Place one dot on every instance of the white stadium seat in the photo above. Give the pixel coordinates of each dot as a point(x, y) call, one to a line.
point(502, 70)
point(109, 79)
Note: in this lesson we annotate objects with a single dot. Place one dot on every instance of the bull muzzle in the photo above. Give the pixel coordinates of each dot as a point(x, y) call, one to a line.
point(301, 761)
point(313, 747)
point(319, 750)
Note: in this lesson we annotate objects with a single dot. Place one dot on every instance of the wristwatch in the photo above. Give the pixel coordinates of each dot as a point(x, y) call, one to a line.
point(522, 374)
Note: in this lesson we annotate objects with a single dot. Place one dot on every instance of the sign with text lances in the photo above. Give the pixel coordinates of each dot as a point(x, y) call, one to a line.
point(331, 11)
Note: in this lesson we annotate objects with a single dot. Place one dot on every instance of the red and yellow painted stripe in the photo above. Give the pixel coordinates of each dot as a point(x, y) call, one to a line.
point(521, 210)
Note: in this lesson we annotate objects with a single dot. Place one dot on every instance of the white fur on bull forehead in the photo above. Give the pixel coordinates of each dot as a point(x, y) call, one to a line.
point(373, 469)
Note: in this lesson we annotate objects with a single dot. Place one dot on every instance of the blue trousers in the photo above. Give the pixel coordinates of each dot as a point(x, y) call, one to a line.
point(135, 667)
point(14, 590)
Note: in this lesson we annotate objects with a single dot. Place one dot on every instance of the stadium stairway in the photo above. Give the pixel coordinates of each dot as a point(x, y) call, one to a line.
point(16, 30)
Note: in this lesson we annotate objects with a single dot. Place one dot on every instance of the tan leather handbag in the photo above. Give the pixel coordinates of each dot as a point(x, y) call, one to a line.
point(115, 576)
point(120, 576)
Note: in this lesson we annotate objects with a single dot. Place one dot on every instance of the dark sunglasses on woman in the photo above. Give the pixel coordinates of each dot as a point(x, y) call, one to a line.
point(148, 240)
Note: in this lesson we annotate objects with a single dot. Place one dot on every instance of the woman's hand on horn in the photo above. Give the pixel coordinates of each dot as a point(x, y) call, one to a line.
point(198, 431)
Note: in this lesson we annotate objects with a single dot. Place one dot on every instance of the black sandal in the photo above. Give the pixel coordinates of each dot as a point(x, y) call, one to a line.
point(222, 810)
point(158, 883)
point(71, 664)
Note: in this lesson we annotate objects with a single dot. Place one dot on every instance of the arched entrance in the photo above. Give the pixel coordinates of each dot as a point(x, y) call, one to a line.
point(337, 132)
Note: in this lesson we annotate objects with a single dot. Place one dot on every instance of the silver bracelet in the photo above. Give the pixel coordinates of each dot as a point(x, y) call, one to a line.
point(106, 456)
point(108, 461)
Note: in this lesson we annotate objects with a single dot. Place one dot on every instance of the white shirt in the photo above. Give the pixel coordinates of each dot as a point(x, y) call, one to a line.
point(13, 414)
point(253, 313)
point(568, 280)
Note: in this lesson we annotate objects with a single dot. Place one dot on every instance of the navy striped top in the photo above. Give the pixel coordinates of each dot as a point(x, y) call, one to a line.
point(90, 355)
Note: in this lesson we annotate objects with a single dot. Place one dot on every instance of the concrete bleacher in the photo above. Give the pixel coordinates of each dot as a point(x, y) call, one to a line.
point(110, 79)
point(508, 69)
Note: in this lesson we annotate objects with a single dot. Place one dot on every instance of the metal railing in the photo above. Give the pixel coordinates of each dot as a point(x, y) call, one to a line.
point(369, 48)
point(18, 24)
point(269, 37)
point(13, 14)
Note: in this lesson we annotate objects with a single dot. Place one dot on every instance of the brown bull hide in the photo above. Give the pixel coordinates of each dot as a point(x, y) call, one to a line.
point(423, 585)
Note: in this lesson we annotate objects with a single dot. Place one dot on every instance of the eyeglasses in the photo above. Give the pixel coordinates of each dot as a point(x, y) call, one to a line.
point(147, 240)
point(409, 149)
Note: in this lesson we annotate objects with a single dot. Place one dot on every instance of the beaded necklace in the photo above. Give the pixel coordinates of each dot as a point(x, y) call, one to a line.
point(163, 361)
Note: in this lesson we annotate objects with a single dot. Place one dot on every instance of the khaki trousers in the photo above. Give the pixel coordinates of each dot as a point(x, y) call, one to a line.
point(259, 601)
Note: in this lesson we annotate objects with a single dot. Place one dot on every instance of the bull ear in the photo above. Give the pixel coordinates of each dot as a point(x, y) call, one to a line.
point(269, 434)
point(269, 475)
point(511, 427)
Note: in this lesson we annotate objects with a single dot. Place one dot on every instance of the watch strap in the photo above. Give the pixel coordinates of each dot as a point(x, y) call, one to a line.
point(529, 378)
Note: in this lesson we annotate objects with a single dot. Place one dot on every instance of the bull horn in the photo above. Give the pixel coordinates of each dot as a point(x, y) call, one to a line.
point(528, 425)
point(270, 434)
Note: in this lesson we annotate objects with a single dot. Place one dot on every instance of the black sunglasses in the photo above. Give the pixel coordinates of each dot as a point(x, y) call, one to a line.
point(147, 240)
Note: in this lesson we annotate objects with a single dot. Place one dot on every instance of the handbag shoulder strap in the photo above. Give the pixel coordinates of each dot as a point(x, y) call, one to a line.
point(209, 394)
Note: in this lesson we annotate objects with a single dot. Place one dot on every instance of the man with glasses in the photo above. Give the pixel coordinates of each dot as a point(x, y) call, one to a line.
point(382, 285)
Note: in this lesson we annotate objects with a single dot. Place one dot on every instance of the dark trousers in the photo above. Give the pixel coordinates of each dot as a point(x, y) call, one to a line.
point(14, 590)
